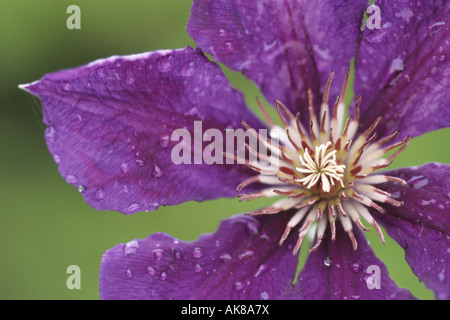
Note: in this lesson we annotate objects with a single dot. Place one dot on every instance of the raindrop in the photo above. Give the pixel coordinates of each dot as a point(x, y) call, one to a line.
point(129, 79)
point(133, 207)
point(225, 257)
point(67, 87)
point(163, 276)
point(50, 134)
point(81, 188)
point(124, 167)
point(198, 267)
point(70, 178)
point(327, 262)
point(100, 72)
point(151, 271)
point(100, 194)
point(245, 254)
point(131, 248)
point(197, 253)
point(187, 70)
point(163, 64)
point(158, 254)
point(442, 57)
point(264, 295)
point(164, 140)
point(140, 162)
point(261, 269)
point(425, 203)
point(228, 46)
point(222, 33)
point(238, 286)
point(56, 158)
point(129, 273)
point(356, 266)
point(418, 182)
point(157, 172)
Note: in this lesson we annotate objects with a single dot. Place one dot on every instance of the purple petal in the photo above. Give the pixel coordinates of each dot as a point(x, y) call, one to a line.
point(422, 225)
point(336, 272)
point(242, 260)
point(286, 47)
point(110, 125)
point(402, 69)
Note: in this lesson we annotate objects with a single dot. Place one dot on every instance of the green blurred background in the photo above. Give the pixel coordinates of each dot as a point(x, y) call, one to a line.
point(45, 224)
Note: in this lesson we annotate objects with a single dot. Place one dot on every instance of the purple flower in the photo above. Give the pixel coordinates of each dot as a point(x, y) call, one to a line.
point(110, 126)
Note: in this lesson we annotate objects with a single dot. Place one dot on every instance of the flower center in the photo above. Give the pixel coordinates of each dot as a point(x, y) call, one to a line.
point(321, 167)
point(325, 172)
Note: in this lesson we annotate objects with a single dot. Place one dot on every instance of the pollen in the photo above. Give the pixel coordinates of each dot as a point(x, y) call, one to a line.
point(325, 172)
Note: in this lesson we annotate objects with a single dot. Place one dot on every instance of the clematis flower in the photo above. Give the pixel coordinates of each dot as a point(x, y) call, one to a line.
point(110, 127)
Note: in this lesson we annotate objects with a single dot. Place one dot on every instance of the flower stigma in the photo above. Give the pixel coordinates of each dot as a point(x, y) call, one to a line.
point(325, 171)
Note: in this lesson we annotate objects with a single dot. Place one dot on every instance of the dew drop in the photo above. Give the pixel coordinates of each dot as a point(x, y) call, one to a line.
point(151, 271)
point(222, 33)
point(418, 182)
point(57, 159)
point(228, 46)
point(129, 273)
point(197, 253)
point(158, 254)
point(50, 134)
point(442, 57)
point(81, 188)
point(264, 295)
point(261, 269)
point(163, 276)
point(238, 285)
point(100, 72)
point(198, 267)
point(72, 179)
point(131, 248)
point(327, 262)
point(164, 64)
point(133, 207)
point(355, 266)
point(67, 87)
point(157, 172)
point(140, 162)
point(225, 257)
point(124, 167)
point(425, 203)
point(164, 140)
point(245, 254)
point(100, 194)
point(129, 79)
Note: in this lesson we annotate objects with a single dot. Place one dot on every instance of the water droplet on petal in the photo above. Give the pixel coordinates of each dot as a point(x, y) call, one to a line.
point(264, 295)
point(56, 158)
point(151, 271)
point(129, 273)
point(67, 87)
point(100, 194)
point(225, 257)
point(131, 248)
point(261, 269)
point(129, 79)
point(164, 140)
point(50, 134)
point(158, 254)
point(442, 57)
point(72, 179)
point(124, 167)
point(327, 262)
point(238, 285)
point(356, 266)
point(100, 72)
point(133, 207)
point(81, 188)
point(197, 253)
point(164, 64)
point(163, 276)
point(198, 267)
point(418, 182)
point(157, 172)
point(245, 254)
point(228, 46)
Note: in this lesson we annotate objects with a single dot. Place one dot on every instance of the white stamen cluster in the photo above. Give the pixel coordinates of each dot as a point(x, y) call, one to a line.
point(325, 172)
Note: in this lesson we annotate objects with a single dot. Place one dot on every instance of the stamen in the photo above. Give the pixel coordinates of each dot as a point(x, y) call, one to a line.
point(324, 172)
